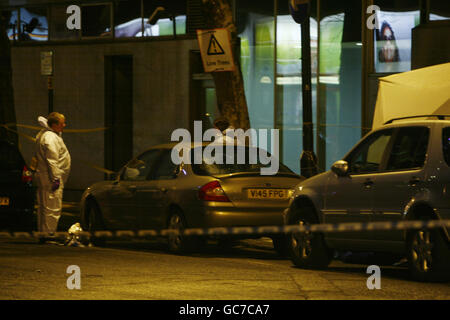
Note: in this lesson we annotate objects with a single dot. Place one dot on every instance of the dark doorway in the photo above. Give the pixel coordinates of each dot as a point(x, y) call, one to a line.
point(118, 111)
point(203, 104)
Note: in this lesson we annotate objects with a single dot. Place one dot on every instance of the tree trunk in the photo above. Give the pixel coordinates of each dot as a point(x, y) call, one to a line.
point(7, 112)
point(229, 84)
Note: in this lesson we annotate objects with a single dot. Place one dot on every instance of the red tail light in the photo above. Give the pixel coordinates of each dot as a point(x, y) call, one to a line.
point(212, 191)
point(26, 175)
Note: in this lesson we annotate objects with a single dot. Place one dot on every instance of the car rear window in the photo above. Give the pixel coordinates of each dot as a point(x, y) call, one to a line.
point(10, 157)
point(446, 144)
point(233, 165)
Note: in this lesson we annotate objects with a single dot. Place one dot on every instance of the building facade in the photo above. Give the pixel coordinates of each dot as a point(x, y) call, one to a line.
point(132, 82)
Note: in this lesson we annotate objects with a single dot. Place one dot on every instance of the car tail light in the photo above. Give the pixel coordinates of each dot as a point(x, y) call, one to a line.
point(27, 176)
point(213, 191)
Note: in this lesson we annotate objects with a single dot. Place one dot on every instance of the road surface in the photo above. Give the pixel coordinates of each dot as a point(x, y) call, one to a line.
point(139, 269)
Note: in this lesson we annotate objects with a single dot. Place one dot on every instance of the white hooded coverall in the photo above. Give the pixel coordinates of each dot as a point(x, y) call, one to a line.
point(53, 163)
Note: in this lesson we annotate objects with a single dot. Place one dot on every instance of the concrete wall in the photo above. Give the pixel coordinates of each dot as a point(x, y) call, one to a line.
point(160, 97)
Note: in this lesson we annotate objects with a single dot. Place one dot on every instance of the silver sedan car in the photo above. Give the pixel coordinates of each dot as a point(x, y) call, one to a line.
point(153, 192)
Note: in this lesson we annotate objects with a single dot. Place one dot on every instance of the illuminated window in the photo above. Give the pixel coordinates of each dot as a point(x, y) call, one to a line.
point(439, 10)
point(289, 96)
point(33, 24)
point(169, 16)
point(339, 89)
point(128, 19)
point(96, 20)
point(58, 24)
point(12, 29)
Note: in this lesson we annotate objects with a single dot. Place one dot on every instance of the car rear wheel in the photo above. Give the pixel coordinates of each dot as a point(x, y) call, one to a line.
point(308, 249)
point(94, 222)
point(428, 255)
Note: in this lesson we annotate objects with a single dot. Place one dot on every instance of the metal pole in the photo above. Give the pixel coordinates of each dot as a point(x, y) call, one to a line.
point(308, 160)
point(424, 11)
point(275, 92)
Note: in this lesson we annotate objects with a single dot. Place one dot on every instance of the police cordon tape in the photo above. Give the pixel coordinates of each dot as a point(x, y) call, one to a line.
point(7, 125)
point(32, 139)
point(220, 231)
point(109, 172)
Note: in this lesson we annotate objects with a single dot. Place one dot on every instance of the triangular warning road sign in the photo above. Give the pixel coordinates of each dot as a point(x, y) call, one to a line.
point(214, 47)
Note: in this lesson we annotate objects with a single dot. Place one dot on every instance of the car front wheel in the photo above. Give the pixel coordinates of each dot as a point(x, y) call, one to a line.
point(308, 249)
point(94, 222)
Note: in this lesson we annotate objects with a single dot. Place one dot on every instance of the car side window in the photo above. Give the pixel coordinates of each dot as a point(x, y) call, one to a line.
point(165, 169)
point(446, 144)
point(368, 156)
point(138, 169)
point(409, 149)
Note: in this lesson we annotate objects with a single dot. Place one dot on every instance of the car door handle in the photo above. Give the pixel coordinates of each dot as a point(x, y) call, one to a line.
point(132, 188)
point(368, 184)
point(414, 182)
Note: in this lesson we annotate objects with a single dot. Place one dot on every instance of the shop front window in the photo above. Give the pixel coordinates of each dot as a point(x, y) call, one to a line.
point(289, 97)
point(255, 24)
point(339, 93)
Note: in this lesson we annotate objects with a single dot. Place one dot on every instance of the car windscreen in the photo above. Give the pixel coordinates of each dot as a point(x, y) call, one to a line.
point(10, 157)
point(241, 159)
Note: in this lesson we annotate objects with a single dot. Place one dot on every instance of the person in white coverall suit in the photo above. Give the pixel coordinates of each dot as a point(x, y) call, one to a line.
point(52, 171)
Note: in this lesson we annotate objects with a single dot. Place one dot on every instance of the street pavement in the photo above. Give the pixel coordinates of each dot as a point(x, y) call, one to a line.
point(138, 269)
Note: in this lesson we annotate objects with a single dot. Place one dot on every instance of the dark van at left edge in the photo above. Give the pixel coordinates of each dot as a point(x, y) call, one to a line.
point(17, 195)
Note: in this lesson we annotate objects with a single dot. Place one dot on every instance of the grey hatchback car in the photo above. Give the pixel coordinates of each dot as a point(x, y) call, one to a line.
point(152, 192)
point(400, 171)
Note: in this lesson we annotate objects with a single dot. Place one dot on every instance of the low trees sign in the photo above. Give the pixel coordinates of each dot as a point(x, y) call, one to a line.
point(215, 49)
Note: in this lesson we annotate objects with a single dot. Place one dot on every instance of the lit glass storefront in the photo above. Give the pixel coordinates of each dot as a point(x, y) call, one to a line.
point(271, 66)
point(274, 90)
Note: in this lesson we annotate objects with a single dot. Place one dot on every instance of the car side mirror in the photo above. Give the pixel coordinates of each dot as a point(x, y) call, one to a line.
point(340, 167)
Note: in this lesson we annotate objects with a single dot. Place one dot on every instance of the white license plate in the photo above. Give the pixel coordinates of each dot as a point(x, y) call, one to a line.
point(4, 201)
point(273, 194)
